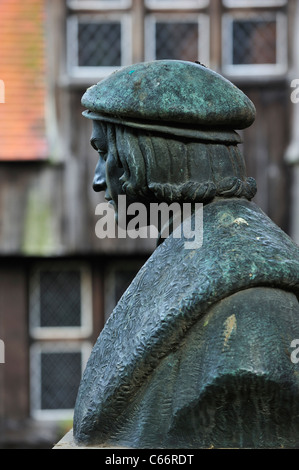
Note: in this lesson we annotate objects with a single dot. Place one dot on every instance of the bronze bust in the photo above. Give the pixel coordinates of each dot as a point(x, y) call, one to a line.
point(197, 351)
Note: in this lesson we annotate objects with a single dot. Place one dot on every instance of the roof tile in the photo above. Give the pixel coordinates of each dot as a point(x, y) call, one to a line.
point(23, 80)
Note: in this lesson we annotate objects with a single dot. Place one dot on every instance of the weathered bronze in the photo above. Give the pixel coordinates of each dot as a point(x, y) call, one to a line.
point(197, 352)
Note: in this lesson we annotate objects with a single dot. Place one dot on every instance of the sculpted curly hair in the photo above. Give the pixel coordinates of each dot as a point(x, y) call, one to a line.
point(162, 167)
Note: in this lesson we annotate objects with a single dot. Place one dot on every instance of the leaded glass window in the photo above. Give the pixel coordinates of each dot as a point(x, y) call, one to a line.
point(173, 37)
point(60, 301)
point(59, 390)
point(254, 41)
point(255, 44)
point(242, 38)
point(176, 40)
point(98, 44)
point(60, 321)
point(60, 298)
point(56, 371)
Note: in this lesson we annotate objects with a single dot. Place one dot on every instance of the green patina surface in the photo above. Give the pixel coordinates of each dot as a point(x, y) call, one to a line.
point(171, 91)
point(197, 351)
point(167, 316)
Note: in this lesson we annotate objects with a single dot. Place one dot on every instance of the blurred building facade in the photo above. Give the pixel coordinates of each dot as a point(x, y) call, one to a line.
point(58, 281)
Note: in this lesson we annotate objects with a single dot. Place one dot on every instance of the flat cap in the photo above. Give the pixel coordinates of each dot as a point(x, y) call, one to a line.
point(173, 96)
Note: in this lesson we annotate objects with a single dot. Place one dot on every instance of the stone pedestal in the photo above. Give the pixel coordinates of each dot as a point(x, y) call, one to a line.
point(67, 442)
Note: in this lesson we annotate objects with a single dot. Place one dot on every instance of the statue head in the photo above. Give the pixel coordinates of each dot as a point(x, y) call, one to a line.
point(166, 131)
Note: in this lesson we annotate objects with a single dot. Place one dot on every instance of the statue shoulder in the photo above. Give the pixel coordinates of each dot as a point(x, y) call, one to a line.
point(238, 360)
point(248, 326)
point(233, 366)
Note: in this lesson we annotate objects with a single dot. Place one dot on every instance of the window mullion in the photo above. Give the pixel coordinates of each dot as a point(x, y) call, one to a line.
point(138, 16)
point(215, 12)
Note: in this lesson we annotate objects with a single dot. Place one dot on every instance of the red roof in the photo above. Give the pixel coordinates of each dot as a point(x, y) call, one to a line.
point(22, 80)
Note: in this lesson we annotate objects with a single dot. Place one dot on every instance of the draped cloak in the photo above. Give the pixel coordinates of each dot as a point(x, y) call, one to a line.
point(199, 330)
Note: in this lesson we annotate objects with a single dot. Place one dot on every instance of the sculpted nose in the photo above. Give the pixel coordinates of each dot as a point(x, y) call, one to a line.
point(99, 181)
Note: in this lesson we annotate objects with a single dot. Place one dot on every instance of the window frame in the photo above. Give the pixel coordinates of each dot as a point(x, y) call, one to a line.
point(255, 70)
point(74, 70)
point(36, 350)
point(98, 4)
point(176, 4)
point(138, 40)
point(253, 3)
point(203, 23)
point(61, 332)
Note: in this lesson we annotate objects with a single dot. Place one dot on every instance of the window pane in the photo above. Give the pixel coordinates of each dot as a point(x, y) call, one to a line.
point(122, 281)
point(177, 40)
point(60, 298)
point(99, 44)
point(254, 42)
point(60, 378)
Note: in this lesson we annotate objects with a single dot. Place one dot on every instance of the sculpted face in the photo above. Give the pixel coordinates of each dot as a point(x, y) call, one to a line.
point(107, 172)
